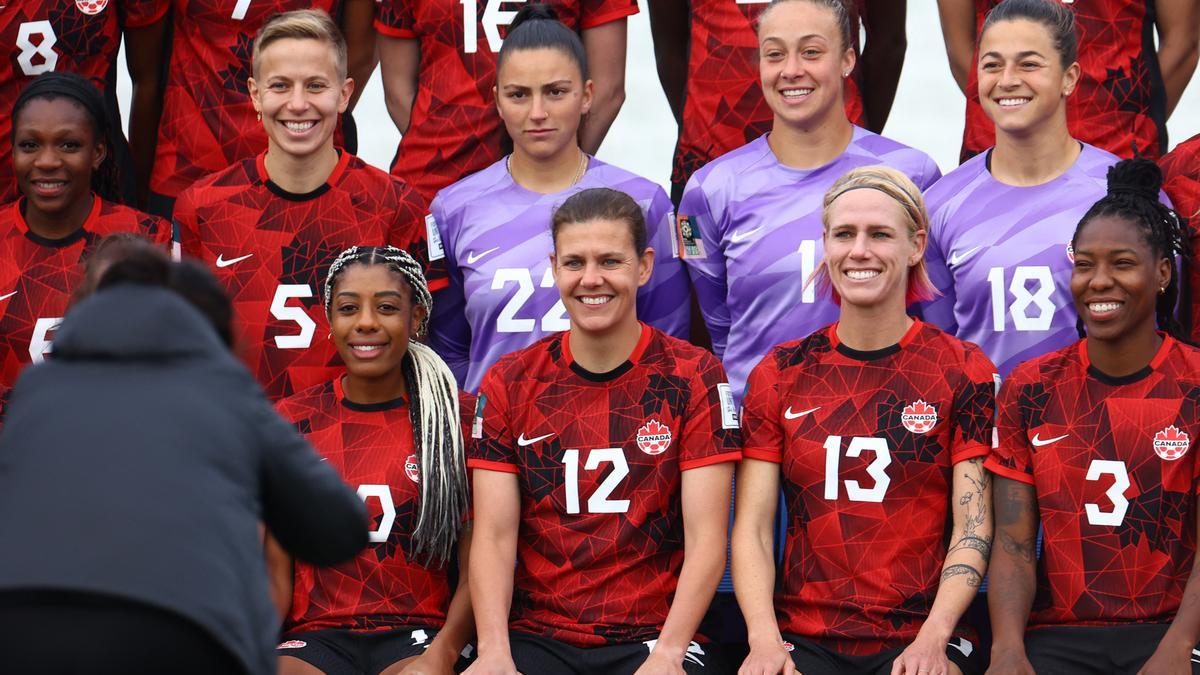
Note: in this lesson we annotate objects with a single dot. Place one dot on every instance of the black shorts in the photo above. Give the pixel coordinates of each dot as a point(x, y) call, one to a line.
point(811, 658)
point(537, 655)
point(1079, 650)
point(337, 651)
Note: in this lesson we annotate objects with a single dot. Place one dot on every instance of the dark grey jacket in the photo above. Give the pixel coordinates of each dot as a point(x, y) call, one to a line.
point(139, 461)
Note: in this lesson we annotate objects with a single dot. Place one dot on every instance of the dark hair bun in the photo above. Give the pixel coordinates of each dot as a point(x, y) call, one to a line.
point(1138, 176)
point(145, 266)
point(533, 11)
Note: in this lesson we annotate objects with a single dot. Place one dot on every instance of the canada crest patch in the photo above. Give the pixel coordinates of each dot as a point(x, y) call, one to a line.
point(91, 7)
point(1171, 443)
point(919, 417)
point(654, 438)
point(412, 469)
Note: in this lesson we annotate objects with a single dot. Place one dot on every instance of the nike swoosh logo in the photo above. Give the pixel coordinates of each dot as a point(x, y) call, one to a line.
point(473, 257)
point(7, 295)
point(741, 236)
point(788, 414)
point(1039, 442)
point(222, 262)
point(956, 257)
point(522, 441)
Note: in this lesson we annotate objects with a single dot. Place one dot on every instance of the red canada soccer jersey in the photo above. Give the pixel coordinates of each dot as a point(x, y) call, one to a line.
point(866, 443)
point(208, 121)
point(271, 249)
point(1115, 475)
point(38, 275)
point(454, 130)
point(1181, 182)
point(42, 36)
point(371, 447)
point(599, 459)
point(724, 107)
point(1120, 100)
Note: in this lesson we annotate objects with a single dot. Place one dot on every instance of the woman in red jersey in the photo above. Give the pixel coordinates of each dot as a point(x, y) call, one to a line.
point(270, 224)
point(602, 469)
point(390, 425)
point(1095, 446)
point(67, 177)
point(438, 60)
point(876, 428)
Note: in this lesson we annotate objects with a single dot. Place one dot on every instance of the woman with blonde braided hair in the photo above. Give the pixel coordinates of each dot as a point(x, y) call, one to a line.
point(391, 425)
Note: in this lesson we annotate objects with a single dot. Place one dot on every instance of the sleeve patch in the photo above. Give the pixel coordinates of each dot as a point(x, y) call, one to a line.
point(674, 239)
point(434, 239)
point(729, 411)
point(690, 243)
point(477, 425)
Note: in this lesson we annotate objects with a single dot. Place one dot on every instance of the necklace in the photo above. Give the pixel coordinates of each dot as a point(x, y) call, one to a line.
point(582, 169)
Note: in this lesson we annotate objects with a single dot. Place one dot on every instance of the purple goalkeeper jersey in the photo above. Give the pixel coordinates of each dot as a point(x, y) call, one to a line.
point(749, 230)
point(501, 296)
point(1000, 256)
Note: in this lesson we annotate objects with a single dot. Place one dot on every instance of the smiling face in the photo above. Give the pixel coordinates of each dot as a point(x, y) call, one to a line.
point(1116, 278)
point(542, 98)
point(299, 94)
point(55, 152)
point(802, 62)
point(371, 319)
point(1022, 82)
point(869, 249)
point(598, 273)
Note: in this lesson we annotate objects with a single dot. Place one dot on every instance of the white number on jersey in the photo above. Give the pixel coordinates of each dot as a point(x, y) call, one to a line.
point(599, 502)
point(384, 494)
point(808, 264)
point(240, 9)
point(493, 18)
point(280, 310)
point(1115, 494)
point(43, 47)
point(876, 469)
point(39, 344)
point(1023, 299)
point(553, 321)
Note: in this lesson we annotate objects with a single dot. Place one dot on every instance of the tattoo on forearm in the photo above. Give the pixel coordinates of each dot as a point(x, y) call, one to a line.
point(974, 578)
point(1014, 502)
point(974, 501)
point(981, 544)
point(1021, 549)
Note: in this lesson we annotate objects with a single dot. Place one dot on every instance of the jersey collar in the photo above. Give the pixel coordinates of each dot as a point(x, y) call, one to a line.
point(340, 395)
point(1159, 357)
point(260, 165)
point(873, 354)
point(638, 351)
point(89, 223)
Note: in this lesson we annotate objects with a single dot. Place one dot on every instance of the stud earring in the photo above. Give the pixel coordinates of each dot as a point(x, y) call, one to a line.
point(258, 115)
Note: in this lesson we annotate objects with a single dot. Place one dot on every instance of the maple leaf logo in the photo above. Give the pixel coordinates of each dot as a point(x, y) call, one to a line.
point(654, 438)
point(1171, 443)
point(919, 417)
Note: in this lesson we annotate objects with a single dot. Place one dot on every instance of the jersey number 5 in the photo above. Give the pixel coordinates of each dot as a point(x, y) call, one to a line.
point(281, 311)
point(599, 501)
point(876, 469)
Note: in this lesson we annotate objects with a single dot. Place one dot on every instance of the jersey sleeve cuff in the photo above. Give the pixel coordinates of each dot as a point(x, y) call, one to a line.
point(1012, 474)
point(491, 466)
point(763, 455)
point(971, 451)
point(710, 460)
point(609, 17)
point(439, 284)
point(143, 21)
point(392, 31)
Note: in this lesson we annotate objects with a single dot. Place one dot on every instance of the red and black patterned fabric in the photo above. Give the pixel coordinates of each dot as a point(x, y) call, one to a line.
point(599, 459)
point(38, 276)
point(1120, 101)
point(207, 120)
point(1115, 475)
point(271, 249)
point(371, 447)
point(866, 442)
point(454, 130)
point(1181, 182)
point(724, 108)
point(78, 36)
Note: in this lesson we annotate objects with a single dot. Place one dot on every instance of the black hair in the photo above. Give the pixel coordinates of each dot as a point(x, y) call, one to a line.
point(106, 180)
point(536, 26)
point(1057, 19)
point(1133, 189)
point(844, 14)
point(602, 204)
point(433, 408)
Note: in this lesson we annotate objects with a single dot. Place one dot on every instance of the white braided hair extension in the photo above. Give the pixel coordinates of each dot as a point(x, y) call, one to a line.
point(434, 410)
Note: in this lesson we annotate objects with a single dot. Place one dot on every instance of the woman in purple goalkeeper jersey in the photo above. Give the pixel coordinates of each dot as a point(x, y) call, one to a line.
point(750, 221)
point(1001, 224)
point(494, 225)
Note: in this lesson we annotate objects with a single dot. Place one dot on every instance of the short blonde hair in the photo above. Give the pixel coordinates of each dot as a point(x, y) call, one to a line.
point(302, 24)
point(903, 191)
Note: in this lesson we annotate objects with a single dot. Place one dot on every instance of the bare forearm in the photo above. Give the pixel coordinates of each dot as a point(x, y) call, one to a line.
point(460, 619)
point(669, 23)
point(1177, 60)
point(753, 581)
point(958, 31)
point(882, 60)
point(491, 587)
point(703, 564)
point(145, 111)
point(1013, 563)
point(600, 117)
